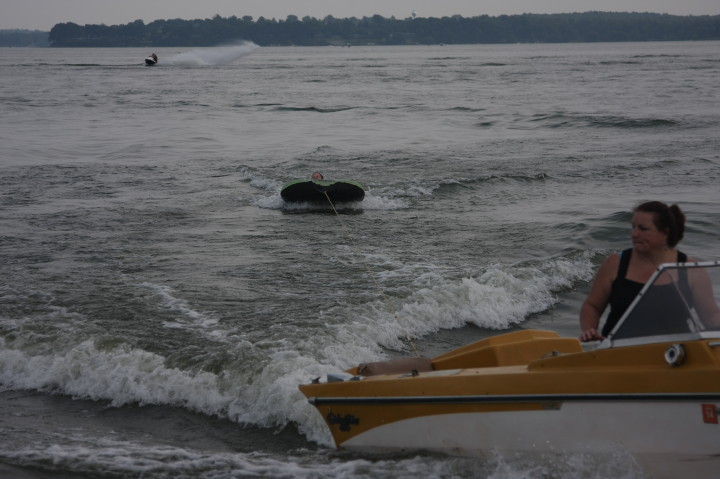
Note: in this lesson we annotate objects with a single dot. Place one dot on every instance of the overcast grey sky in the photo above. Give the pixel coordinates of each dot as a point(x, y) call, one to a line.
point(43, 14)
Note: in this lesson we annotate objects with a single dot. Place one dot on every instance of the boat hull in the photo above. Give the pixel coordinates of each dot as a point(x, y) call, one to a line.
point(571, 401)
point(659, 434)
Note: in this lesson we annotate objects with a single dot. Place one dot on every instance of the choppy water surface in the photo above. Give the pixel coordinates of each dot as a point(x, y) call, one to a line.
point(160, 304)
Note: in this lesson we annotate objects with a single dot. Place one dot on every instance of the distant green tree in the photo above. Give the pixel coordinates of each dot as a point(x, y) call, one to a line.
point(23, 38)
point(525, 28)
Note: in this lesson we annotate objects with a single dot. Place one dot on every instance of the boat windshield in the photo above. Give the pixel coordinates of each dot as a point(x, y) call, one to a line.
point(678, 299)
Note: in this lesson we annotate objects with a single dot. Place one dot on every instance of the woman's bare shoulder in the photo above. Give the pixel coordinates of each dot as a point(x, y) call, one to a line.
point(609, 267)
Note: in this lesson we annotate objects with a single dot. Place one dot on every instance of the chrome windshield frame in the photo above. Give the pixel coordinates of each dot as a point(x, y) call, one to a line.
point(698, 334)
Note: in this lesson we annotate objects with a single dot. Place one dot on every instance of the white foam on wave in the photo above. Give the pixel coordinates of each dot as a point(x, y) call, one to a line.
point(275, 202)
point(267, 394)
point(222, 55)
point(408, 190)
point(188, 317)
point(246, 174)
point(121, 375)
point(266, 184)
point(418, 190)
point(124, 375)
point(77, 454)
point(497, 299)
point(387, 203)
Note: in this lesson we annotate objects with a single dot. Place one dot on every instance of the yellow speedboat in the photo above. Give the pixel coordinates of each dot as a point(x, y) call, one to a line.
point(652, 388)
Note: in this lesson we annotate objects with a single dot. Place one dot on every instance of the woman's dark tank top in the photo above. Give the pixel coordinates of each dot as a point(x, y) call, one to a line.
point(624, 291)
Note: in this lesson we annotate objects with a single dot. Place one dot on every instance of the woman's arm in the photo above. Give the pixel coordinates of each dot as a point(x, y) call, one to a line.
point(597, 299)
point(702, 291)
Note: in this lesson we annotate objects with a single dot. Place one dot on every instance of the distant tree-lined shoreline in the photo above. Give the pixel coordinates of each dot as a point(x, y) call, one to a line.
point(378, 30)
point(23, 38)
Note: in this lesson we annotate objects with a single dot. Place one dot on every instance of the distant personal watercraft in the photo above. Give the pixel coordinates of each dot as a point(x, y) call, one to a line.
point(318, 191)
point(151, 60)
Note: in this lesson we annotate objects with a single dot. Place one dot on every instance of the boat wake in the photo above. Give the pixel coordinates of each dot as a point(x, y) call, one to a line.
point(223, 55)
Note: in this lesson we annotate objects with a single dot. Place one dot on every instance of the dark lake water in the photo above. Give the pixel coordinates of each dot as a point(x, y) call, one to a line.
point(160, 304)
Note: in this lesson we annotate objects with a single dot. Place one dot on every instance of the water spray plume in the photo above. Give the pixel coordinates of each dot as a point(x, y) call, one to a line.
point(221, 55)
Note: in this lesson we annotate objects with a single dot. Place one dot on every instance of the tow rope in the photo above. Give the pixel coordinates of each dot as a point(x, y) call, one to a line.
point(370, 273)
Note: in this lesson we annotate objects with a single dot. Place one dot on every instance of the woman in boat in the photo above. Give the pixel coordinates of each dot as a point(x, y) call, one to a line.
point(317, 176)
point(656, 230)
